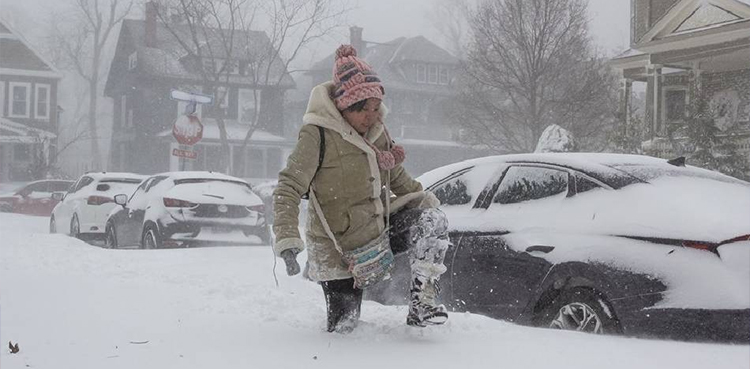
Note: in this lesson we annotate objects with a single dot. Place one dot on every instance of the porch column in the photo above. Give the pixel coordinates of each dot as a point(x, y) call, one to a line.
point(626, 86)
point(656, 104)
point(694, 80)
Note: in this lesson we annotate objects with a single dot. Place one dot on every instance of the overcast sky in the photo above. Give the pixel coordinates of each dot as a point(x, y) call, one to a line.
point(382, 20)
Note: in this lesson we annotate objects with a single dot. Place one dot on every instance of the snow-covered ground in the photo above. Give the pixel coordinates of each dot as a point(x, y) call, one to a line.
point(72, 305)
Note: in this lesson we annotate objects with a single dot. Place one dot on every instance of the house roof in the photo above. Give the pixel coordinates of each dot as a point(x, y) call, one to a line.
point(17, 56)
point(168, 58)
point(386, 59)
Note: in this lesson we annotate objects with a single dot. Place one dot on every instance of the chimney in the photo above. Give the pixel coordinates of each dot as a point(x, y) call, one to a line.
point(355, 39)
point(150, 34)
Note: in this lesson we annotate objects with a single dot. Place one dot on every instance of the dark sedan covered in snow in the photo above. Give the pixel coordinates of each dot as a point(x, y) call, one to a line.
point(602, 243)
point(185, 209)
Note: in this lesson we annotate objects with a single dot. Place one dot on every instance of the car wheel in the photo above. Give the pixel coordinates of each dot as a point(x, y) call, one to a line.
point(75, 227)
point(5, 207)
point(150, 238)
point(52, 225)
point(110, 237)
point(581, 309)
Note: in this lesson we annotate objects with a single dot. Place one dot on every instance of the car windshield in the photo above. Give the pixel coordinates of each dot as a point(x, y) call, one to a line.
point(648, 173)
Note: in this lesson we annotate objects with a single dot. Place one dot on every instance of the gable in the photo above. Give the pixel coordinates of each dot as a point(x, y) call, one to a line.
point(18, 56)
point(706, 15)
point(693, 15)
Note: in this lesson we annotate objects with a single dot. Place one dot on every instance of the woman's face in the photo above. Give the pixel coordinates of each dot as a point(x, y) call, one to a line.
point(362, 120)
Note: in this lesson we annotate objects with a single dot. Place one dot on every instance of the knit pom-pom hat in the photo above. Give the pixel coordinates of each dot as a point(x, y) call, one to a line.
point(354, 79)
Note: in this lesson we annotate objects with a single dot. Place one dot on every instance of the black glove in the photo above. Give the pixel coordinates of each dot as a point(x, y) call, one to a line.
point(290, 258)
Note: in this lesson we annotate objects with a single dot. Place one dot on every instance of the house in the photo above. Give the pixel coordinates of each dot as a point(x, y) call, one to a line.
point(680, 48)
point(418, 77)
point(150, 62)
point(29, 115)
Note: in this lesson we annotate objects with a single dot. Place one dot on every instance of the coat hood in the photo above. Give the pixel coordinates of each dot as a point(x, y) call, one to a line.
point(321, 111)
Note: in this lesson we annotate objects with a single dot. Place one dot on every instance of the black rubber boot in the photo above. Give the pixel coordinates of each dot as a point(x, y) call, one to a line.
point(343, 304)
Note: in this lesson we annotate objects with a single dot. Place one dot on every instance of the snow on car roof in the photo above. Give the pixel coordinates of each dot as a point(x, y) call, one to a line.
point(603, 163)
point(200, 175)
point(111, 175)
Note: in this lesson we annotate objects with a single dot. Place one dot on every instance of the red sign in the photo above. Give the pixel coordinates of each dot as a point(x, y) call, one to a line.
point(180, 153)
point(187, 129)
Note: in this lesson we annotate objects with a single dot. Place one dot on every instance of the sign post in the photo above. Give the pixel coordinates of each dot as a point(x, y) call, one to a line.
point(188, 129)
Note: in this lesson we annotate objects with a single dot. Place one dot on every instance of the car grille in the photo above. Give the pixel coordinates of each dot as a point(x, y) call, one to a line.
point(212, 211)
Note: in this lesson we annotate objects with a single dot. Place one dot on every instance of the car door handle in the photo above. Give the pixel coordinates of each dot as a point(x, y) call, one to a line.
point(541, 248)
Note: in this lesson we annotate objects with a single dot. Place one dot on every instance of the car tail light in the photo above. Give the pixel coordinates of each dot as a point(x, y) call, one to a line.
point(700, 245)
point(259, 208)
point(736, 239)
point(175, 203)
point(98, 200)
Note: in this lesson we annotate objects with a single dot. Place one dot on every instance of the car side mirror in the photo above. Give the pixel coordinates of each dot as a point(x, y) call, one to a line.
point(121, 199)
point(58, 196)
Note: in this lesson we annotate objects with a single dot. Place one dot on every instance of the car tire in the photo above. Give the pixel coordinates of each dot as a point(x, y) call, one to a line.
point(5, 207)
point(580, 309)
point(75, 227)
point(150, 239)
point(52, 225)
point(110, 237)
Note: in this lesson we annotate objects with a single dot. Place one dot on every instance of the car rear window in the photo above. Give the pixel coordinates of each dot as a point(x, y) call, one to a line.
point(121, 180)
point(207, 180)
point(648, 173)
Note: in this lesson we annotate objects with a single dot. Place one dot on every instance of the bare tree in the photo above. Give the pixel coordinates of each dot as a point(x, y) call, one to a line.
point(530, 64)
point(450, 18)
point(225, 33)
point(82, 38)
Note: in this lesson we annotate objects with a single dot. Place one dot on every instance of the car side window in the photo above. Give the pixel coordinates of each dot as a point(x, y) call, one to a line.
point(453, 192)
point(154, 181)
point(59, 186)
point(584, 185)
point(531, 183)
point(85, 181)
point(36, 187)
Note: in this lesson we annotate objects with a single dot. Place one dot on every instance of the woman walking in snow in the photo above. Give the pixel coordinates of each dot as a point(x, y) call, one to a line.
point(347, 162)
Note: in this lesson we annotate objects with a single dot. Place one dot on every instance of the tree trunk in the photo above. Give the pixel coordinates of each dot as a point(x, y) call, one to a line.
point(96, 155)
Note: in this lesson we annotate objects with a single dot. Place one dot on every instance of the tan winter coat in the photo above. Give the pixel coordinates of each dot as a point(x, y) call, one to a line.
point(347, 186)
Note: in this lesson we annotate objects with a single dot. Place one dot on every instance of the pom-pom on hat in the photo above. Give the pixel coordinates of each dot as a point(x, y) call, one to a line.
point(354, 79)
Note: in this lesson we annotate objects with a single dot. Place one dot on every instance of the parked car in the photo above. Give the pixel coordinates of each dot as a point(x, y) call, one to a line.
point(34, 198)
point(185, 209)
point(602, 243)
point(83, 210)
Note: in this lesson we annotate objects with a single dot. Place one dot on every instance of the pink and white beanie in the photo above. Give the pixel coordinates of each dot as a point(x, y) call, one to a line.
point(354, 79)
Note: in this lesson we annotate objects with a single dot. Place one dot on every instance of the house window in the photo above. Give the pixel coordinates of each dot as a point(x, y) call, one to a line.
point(20, 95)
point(432, 76)
point(42, 101)
point(248, 102)
point(675, 105)
point(230, 67)
point(209, 65)
point(133, 60)
point(421, 73)
point(2, 99)
point(444, 78)
point(223, 94)
point(21, 152)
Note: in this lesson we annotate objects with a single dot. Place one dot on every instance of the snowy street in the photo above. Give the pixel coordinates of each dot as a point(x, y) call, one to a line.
point(72, 305)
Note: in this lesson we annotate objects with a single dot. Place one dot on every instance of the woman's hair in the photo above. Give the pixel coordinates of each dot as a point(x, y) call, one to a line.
point(358, 106)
